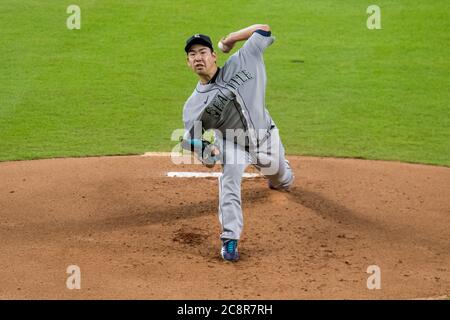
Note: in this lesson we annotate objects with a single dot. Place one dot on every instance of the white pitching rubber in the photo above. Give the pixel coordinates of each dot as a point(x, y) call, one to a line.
point(206, 175)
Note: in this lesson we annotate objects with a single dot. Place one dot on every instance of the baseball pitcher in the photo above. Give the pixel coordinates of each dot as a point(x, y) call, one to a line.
point(231, 101)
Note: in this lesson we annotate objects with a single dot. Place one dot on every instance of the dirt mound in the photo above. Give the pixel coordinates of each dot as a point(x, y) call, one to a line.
point(136, 233)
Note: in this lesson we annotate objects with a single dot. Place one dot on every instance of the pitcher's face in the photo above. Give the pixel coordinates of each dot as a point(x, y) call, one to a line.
point(201, 59)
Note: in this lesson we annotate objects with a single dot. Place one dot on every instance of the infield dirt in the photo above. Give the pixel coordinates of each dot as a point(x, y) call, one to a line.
point(136, 233)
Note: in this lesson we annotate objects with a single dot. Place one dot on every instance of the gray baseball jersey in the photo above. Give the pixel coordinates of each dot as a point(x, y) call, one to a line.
point(236, 99)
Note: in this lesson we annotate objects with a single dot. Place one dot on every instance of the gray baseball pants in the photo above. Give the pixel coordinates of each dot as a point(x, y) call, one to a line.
point(268, 158)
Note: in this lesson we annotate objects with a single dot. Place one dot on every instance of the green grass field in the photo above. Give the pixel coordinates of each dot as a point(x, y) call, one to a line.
point(118, 85)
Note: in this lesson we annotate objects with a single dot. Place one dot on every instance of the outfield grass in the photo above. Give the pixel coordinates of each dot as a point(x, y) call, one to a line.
point(117, 86)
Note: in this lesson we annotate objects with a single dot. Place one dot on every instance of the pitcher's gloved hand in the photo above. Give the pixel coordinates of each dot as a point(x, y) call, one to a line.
point(211, 154)
point(206, 152)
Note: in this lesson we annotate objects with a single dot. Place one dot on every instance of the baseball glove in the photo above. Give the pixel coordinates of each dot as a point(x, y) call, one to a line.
point(206, 152)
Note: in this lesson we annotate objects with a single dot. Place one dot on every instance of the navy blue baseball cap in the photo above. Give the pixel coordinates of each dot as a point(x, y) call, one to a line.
point(198, 39)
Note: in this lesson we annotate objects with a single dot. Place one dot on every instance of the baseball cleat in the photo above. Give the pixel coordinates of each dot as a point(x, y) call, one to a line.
point(229, 250)
point(280, 188)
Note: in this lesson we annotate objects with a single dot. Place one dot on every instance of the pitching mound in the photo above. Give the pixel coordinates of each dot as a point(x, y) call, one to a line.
point(136, 233)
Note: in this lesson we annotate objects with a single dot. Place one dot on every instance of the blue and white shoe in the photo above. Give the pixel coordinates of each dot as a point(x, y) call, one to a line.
point(229, 250)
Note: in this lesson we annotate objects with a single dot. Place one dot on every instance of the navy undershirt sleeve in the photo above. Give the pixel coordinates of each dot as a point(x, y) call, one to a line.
point(264, 33)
